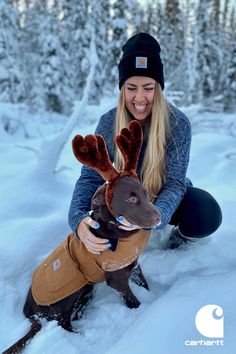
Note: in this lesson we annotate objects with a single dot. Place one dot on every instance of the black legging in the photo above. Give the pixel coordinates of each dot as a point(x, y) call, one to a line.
point(198, 214)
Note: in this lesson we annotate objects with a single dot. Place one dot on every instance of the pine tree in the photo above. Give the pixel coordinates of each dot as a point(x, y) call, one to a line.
point(45, 57)
point(79, 46)
point(211, 53)
point(100, 13)
point(66, 35)
point(225, 12)
point(11, 78)
point(119, 26)
point(52, 68)
point(173, 42)
point(136, 22)
point(215, 15)
point(190, 56)
point(160, 18)
point(33, 16)
point(217, 46)
point(151, 18)
point(229, 89)
point(205, 85)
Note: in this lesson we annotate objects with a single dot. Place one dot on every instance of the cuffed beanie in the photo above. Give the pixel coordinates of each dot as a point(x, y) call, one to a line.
point(141, 57)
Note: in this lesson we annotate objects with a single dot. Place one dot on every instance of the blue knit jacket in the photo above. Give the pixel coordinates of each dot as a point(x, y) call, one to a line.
point(177, 158)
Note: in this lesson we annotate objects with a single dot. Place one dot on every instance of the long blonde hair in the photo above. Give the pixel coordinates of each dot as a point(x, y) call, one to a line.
point(153, 166)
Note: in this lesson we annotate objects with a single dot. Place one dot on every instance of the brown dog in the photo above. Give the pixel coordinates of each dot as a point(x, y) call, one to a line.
point(63, 283)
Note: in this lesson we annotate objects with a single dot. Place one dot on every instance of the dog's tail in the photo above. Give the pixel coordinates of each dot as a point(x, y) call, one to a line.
point(21, 343)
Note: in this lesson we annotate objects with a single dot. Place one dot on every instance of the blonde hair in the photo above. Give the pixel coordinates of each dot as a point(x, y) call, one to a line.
point(153, 166)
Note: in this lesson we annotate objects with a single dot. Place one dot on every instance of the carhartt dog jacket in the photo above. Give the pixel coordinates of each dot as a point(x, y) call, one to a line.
point(70, 266)
point(177, 158)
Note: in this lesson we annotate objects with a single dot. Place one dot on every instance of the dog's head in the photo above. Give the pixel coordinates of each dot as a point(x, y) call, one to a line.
point(130, 199)
point(124, 194)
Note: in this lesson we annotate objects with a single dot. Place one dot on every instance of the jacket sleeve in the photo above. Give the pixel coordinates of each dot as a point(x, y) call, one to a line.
point(177, 159)
point(89, 181)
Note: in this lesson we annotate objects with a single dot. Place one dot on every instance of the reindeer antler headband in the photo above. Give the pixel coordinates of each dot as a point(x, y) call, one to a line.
point(92, 151)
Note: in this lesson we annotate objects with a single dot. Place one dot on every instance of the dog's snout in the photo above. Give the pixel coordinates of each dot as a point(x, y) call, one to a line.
point(156, 217)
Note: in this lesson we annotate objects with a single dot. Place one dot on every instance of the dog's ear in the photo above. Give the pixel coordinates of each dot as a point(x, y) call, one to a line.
point(92, 151)
point(99, 197)
point(129, 142)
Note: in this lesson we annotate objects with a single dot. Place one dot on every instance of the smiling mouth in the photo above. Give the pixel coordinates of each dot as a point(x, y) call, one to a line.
point(140, 108)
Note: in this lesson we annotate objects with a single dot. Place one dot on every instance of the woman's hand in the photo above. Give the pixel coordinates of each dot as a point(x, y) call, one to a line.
point(126, 225)
point(94, 244)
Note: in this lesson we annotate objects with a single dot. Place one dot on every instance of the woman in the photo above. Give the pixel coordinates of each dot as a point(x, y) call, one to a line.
point(163, 159)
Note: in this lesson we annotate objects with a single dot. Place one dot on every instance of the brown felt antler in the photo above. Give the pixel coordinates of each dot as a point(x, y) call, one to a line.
point(92, 151)
point(129, 142)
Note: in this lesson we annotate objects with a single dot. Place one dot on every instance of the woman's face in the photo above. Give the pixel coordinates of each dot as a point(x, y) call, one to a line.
point(139, 96)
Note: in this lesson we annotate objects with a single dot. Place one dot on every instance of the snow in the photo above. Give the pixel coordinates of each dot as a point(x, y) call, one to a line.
point(33, 221)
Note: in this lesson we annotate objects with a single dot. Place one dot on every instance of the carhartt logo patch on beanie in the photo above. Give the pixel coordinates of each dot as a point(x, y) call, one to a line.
point(141, 57)
point(141, 62)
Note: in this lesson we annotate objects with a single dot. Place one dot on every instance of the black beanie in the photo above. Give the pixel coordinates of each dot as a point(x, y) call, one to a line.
point(141, 57)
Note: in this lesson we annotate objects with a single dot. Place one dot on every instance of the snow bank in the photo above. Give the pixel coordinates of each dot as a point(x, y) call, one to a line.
point(33, 215)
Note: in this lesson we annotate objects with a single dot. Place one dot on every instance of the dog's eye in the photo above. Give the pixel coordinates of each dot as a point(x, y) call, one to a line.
point(132, 200)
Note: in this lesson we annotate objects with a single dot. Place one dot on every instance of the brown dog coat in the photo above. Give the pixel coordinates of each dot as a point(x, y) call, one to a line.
point(71, 266)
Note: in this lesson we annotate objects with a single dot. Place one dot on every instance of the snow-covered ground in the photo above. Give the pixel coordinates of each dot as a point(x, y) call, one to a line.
point(33, 221)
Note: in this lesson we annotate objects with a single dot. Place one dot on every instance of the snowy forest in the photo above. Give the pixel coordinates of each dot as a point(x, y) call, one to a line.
point(45, 57)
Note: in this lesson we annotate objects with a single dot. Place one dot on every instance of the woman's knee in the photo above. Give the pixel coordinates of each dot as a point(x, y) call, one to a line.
point(203, 213)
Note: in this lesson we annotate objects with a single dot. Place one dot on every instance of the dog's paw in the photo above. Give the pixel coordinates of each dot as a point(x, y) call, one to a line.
point(132, 303)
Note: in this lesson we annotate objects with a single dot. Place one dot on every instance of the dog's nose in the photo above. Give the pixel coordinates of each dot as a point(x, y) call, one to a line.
point(156, 218)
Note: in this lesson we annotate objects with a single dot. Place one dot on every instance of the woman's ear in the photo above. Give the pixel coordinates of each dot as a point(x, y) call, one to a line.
point(99, 197)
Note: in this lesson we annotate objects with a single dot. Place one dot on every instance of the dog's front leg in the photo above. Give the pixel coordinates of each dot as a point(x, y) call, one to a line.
point(138, 278)
point(119, 280)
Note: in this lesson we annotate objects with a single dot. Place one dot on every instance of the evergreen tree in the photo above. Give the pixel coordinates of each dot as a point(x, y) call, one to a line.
point(211, 44)
point(79, 46)
point(151, 18)
point(190, 56)
point(11, 78)
point(173, 42)
point(215, 15)
point(216, 33)
point(205, 85)
point(33, 16)
point(225, 12)
point(160, 18)
point(144, 24)
point(229, 89)
point(119, 26)
point(100, 13)
point(136, 17)
point(66, 35)
point(51, 70)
